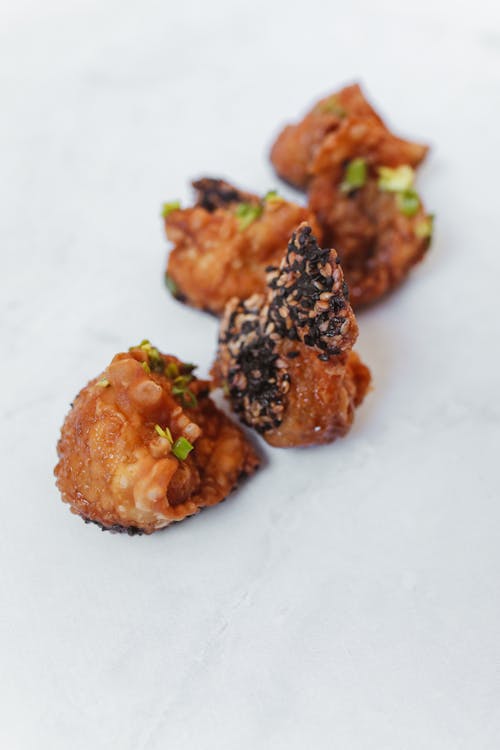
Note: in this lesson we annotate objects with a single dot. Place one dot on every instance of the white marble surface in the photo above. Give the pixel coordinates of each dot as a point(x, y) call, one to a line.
point(347, 597)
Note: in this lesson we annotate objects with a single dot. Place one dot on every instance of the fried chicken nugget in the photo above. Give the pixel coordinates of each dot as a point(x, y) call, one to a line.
point(378, 223)
point(144, 445)
point(347, 158)
point(303, 150)
point(285, 358)
point(223, 244)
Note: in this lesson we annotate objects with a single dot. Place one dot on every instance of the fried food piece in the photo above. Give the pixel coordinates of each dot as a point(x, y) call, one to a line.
point(285, 358)
point(339, 127)
point(144, 445)
point(223, 244)
point(380, 231)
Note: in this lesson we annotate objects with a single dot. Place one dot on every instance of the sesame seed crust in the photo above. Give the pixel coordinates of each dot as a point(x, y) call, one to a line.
point(310, 300)
point(300, 332)
point(256, 376)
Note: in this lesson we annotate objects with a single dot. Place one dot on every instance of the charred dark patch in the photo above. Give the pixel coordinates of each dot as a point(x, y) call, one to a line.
point(116, 528)
point(309, 296)
point(212, 193)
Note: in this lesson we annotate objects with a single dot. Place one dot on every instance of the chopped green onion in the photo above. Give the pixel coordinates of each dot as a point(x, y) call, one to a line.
point(103, 383)
point(408, 202)
point(164, 433)
point(172, 370)
point(331, 106)
point(168, 208)
point(423, 228)
point(187, 367)
point(182, 448)
point(146, 367)
point(272, 196)
point(182, 381)
point(397, 179)
point(171, 285)
point(155, 360)
point(355, 175)
point(189, 400)
point(247, 213)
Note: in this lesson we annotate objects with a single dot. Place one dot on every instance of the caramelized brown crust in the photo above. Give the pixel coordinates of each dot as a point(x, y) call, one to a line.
point(117, 470)
point(378, 244)
point(321, 399)
point(285, 359)
point(318, 142)
point(216, 255)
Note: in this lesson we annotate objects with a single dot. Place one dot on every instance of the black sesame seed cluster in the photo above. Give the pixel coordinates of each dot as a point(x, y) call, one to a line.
point(310, 300)
point(256, 377)
point(307, 302)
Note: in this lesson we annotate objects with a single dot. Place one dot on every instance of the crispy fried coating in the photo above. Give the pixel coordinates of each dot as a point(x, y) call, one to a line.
point(339, 127)
point(144, 446)
point(223, 244)
point(378, 242)
point(285, 358)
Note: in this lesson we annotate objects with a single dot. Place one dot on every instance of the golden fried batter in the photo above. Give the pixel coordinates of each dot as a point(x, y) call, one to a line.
point(144, 445)
point(380, 233)
point(339, 120)
point(224, 243)
point(284, 357)
point(338, 152)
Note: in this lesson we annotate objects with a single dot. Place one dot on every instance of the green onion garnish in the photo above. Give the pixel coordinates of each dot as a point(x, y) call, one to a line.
point(272, 196)
point(424, 228)
point(400, 180)
point(247, 213)
point(155, 361)
point(408, 202)
point(397, 179)
point(182, 448)
point(168, 208)
point(103, 383)
point(164, 433)
point(188, 399)
point(180, 385)
point(171, 285)
point(172, 370)
point(331, 106)
point(355, 175)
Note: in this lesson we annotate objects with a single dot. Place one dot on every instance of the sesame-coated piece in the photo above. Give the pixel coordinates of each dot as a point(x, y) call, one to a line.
point(256, 379)
point(310, 298)
point(284, 358)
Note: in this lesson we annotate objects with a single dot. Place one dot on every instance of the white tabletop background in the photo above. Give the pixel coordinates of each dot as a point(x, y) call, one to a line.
point(347, 597)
